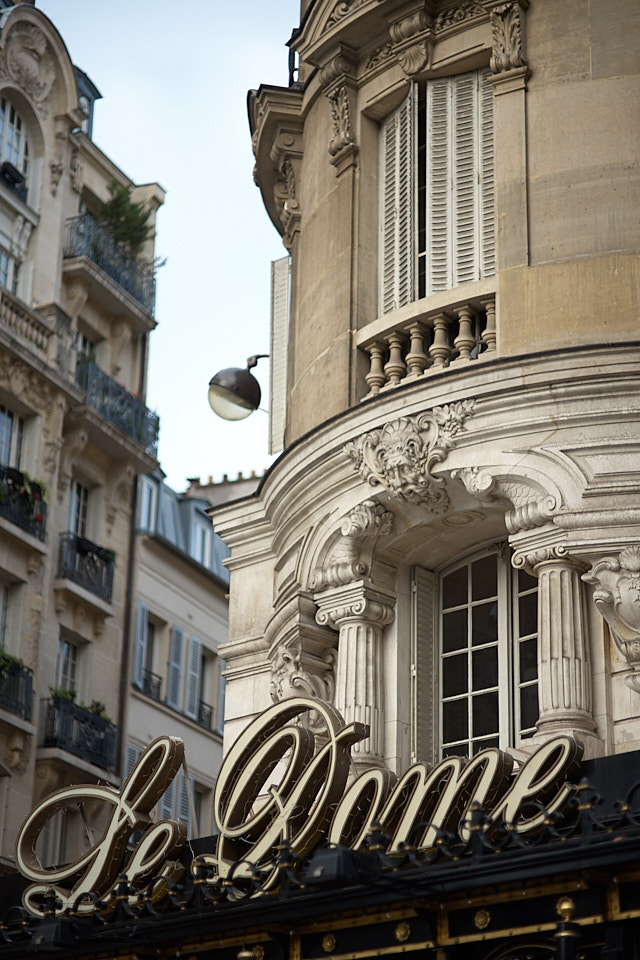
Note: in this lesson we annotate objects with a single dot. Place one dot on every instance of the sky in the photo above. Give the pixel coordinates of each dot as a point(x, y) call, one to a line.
point(174, 78)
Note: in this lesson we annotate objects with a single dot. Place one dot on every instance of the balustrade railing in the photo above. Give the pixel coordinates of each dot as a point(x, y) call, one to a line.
point(86, 564)
point(86, 237)
point(430, 343)
point(16, 690)
point(205, 714)
point(80, 732)
point(151, 684)
point(117, 405)
point(22, 502)
point(24, 324)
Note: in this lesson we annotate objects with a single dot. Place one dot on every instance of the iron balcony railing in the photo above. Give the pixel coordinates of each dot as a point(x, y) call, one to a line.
point(151, 684)
point(117, 405)
point(87, 564)
point(205, 714)
point(16, 690)
point(80, 732)
point(86, 237)
point(22, 503)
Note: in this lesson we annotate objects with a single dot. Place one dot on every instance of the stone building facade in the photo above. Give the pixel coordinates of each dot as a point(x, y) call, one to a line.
point(448, 548)
point(76, 311)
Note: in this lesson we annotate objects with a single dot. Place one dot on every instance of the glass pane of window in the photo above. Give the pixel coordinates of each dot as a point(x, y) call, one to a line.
point(484, 623)
point(454, 720)
point(66, 665)
point(454, 588)
point(454, 675)
point(6, 427)
point(526, 581)
point(480, 745)
point(528, 614)
point(460, 750)
point(484, 578)
point(485, 668)
point(454, 630)
point(528, 660)
point(485, 714)
point(528, 706)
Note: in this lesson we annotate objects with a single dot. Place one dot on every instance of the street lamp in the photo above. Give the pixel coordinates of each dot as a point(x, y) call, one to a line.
point(234, 393)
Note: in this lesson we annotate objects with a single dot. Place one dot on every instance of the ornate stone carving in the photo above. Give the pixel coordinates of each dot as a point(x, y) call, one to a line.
point(289, 677)
point(531, 558)
point(340, 115)
point(30, 63)
point(379, 55)
point(74, 444)
point(455, 15)
point(26, 385)
point(76, 172)
point(617, 597)
point(411, 46)
point(507, 33)
point(400, 456)
point(529, 510)
point(350, 556)
point(341, 10)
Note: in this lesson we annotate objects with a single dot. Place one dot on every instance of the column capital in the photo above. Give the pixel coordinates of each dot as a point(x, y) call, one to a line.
point(354, 602)
point(532, 559)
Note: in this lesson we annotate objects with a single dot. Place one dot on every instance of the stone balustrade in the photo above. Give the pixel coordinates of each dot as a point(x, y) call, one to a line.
point(428, 341)
point(34, 331)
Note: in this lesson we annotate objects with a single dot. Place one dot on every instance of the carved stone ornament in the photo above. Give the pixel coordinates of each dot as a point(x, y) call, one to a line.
point(617, 597)
point(349, 558)
point(506, 31)
point(400, 456)
point(30, 63)
point(411, 46)
point(340, 115)
point(458, 14)
point(289, 677)
point(341, 10)
point(529, 509)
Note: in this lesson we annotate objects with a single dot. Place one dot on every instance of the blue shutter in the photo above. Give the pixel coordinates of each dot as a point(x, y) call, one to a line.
point(140, 649)
point(174, 674)
point(194, 680)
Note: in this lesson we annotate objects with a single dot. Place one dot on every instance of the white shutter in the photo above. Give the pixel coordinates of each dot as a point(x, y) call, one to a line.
point(485, 144)
point(166, 805)
point(131, 758)
point(466, 226)
point(424, 674)
point(194, 667)
point(219, 726)
point(174, 673)
point(397, 213)
point(140, 649)
point(438, 192)
point(278, 356)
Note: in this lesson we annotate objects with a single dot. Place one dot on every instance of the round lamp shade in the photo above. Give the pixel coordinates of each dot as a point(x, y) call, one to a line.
point(234, 393)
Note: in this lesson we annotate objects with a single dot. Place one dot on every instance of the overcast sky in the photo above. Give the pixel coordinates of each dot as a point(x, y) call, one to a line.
point(174, 78)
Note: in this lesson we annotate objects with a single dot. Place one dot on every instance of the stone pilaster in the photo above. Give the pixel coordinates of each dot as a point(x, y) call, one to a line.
point(359, 613)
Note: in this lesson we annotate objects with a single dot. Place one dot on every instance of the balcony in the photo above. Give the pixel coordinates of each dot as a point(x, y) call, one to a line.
point(86, 237)
point(22, 503)
point(80, 732)
point(117, 405)
point(151, 684)
point(86, 564)
point(205, 714)
point(16, 690)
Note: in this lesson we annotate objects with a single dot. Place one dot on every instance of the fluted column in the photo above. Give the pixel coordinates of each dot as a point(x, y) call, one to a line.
point(360, 614)
point(564, 661)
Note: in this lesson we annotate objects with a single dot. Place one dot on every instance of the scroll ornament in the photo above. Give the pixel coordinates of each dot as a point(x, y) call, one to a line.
point(342, 132)
point(401, 456)
point(347, 558)
point(506, 30)
point(289, 677)
point(617, 597)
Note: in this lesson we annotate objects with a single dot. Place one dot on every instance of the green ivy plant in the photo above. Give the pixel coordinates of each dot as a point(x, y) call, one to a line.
point(8, 661)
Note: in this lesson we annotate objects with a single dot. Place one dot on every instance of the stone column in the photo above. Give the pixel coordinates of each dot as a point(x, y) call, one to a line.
point(359, 612)
point(564, 661)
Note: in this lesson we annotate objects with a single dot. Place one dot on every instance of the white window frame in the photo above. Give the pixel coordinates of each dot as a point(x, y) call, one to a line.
point(201, 541)
point(78, 508)
point(11, 438)
point(67, 673)
point(147, 501)
point(14, 143)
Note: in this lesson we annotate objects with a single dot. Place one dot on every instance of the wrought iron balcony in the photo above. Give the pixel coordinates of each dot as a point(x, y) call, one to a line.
point(22, 503)
point(80, 732)
point(151, 684)
point(117, 405)
point(86, 237)
point(205, 714)
point(16, 690)
point(87, 564)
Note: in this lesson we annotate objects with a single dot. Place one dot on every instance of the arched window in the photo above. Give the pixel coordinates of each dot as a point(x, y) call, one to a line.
point(14, 149)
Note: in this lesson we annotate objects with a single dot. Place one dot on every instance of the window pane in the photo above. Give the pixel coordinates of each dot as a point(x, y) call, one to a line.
point(526, 581)
point(454, 630)
point(480, 745)
point(460, 750)
point(454, 721)
point(484, 624)
point(485, 668)
point(454, 675)
point(454, 588)
point(528, 614)
point(528, 706)
point(485, 714)
point(484, 578)
point(528, 660)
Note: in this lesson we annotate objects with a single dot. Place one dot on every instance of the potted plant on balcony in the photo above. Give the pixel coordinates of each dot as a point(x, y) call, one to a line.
point(62, 694)
point(9, 664)
point(126, 221)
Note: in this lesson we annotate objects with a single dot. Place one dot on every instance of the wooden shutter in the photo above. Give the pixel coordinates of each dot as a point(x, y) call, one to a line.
point(140, 649)
point(397, 212)
point(424, 673)
point(174, 674)
point(131, 758)
point(438, 186)
point(485, 143)
point(278, 357)
point(184, 807)
point(221, 696)
point(194, 668)
point(466, 226)
point(167, 802)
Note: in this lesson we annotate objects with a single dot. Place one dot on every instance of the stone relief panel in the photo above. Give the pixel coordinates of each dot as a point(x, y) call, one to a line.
point(401, 455)
point(27, 59)
point(507, 36)
point(617, 596)
point(289, 678)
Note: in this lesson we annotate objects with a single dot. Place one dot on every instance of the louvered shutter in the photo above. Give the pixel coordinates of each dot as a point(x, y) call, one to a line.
point(167, 802)
point(278, 356)
point(194, 668)
point(397, 213)
point(485, 144)
point(140, 649)
point(221, 696)
point(466, 226)
point(184, 807)
point(131, 758)
point(174, 673)
point(424, 674)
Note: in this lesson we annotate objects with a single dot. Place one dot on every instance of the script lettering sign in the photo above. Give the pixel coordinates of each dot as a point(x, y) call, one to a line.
point(274, 785)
